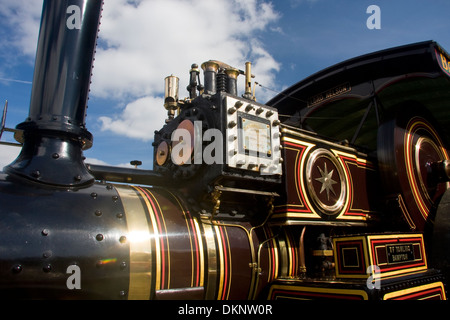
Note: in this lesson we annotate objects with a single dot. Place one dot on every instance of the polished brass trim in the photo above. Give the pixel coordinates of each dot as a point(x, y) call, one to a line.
point(158, 240)
point(138, 238)
point(211, 252)
point(342, 201)
point(201, 253)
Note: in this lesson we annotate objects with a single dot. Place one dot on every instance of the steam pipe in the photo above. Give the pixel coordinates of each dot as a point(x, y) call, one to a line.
point(127, 175)
point(54, 132)
point(248, 81)
point(192, 87)
point(171, 96)
point(210, 69)
point(232, 74)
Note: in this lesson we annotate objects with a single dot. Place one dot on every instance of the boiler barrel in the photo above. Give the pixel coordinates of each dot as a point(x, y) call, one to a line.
point(121, 242)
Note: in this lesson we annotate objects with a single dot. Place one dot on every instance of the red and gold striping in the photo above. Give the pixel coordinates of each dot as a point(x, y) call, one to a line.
point(176, 255)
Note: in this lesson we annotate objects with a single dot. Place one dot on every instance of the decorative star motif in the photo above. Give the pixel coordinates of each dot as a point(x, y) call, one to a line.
point(326, 180)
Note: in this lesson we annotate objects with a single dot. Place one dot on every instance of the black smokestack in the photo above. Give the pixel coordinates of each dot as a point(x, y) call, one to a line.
point(54, 134)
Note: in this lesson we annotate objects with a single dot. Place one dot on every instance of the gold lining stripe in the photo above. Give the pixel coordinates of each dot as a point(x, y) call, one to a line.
point(300, 167)
point(211, 250)
point(405, 212)
point(272, 251)
point(156, 237)
point(200, 247)
point(140, 246)
point(305, 209)
point(408, 149)
point(421, 264)
point(419, 289)
point(292, 261)
point(225, 274)
point(159, 234)
point(221, 259)
point(196, 244)
point(365, 255)
point(193, 244)
point(290, 290)
point(229, 263)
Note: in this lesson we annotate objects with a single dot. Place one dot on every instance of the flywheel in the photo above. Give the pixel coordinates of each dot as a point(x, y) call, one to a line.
point(413, 158)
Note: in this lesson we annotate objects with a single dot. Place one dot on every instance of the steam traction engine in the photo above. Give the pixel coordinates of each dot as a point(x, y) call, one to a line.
point(336, 188)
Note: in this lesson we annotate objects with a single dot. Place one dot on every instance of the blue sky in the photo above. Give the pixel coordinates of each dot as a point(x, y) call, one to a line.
point(143, 41)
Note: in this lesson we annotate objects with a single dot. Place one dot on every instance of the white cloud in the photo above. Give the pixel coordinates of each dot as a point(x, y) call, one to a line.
point(24, 17)
point(142, 42)
point(138, 120)
point(7, 155)
point(99, 162)
point(96, 161)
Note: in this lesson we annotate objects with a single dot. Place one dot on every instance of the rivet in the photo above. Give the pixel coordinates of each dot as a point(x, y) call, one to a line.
point(238, 104)
point(98, 213)
point(77, 178)
point(231, 110)
point(47, 268)
point(115, 198)
point(55, 155)
point(47, 254)
point(123, 239)
point(99, 237)
point(122, 293)
point(36, 173)
point(17, 268)
point(119, 215)
point(93, 195)
point(231, 124)
point(45, 232)
point(269, 114)
point(109, 187)
point(123, 265)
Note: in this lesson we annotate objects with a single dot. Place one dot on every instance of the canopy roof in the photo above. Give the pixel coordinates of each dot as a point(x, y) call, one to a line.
point(349, 100)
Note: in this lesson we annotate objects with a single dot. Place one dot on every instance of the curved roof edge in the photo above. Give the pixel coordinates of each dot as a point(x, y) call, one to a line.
point(364, 67)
